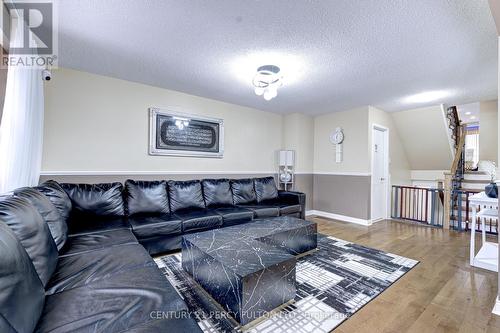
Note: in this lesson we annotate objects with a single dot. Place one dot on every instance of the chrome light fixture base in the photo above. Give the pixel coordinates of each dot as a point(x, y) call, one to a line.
point(267, 80)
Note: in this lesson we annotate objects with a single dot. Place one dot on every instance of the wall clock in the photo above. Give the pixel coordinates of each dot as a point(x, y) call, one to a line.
point(337, 137)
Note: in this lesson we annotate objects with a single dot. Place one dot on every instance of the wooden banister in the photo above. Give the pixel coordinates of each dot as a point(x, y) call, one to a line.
point(458, 152)
point(450, 176)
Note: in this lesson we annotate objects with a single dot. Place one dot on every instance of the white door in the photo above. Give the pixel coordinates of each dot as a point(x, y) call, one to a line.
point(380, 168)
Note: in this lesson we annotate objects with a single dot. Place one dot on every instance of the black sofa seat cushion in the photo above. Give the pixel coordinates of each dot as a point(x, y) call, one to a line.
point(217, 192)
point(21, 292)
point(185, 194)
point(145, 226)
point(56, 194)
point(234, 215)
point(142, 197)
point(243, 191)
point(265, 189)
point(157, 245)
point(193, 220)
point(286, 209)
point(87, 224)
point(79, 270)
point(111, 305)
point(96, 199)
point(78, 244)
point(261, 211)
point(57, 225)
point(33, 233)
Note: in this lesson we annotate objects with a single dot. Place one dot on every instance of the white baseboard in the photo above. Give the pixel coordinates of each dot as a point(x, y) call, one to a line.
point(338, 217)
point(496, 308)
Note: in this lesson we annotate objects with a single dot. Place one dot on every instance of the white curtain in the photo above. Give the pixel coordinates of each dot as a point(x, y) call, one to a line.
point(21, 127)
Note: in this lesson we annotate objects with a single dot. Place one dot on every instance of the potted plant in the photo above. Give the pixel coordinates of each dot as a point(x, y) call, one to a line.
point(491, 189)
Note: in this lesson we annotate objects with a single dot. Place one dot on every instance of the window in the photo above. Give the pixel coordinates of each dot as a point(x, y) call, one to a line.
point(471, 146)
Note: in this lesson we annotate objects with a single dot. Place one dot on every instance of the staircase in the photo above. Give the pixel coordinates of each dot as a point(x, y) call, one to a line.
point(475, 181)
point(448, 205)
point(461, 213)
point(460, 183)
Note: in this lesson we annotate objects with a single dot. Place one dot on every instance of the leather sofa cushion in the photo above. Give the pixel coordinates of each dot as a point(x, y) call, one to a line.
point(156, 245)
point(234, 215)
point(185, 194)
point(33, 233)
point(21, 293)
point(80, 224)
point(111, 305)
point(5, 326)
point(146, 197)
point(217, 192)
point(265, 189)
point(261, 211)
point(243, 191)
point(78, 244)
point(199, 219)
point(155, 226)
point(55, 193)
point(96, 199)
point(79, 270)
point(57, 225)
point(289, 209)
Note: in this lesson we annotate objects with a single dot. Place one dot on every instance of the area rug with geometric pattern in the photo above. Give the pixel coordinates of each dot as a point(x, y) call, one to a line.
point(332, 284)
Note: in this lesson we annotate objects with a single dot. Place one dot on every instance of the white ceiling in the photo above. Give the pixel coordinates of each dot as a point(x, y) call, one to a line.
point(335, 55)
point(469, 113)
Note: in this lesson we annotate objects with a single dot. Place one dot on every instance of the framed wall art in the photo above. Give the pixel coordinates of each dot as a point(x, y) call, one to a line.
point(180, 134)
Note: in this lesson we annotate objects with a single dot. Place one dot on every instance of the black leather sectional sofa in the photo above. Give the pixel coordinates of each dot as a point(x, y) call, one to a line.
point(77, 257)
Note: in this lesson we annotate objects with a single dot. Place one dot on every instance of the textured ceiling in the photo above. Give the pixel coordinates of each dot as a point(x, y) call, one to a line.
point(469, 113)
point(335, 55)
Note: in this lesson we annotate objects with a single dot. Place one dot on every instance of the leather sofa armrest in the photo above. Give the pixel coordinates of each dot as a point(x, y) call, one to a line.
point(294, 198)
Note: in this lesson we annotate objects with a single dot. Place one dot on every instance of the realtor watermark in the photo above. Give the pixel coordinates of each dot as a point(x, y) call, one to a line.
point(29, 35)
point(220, 315)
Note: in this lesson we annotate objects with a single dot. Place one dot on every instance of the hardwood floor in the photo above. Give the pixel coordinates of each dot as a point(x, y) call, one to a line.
point(442, 294)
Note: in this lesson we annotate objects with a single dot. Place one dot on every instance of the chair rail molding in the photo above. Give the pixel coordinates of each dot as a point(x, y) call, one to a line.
point(170, 172)
point(130, 172)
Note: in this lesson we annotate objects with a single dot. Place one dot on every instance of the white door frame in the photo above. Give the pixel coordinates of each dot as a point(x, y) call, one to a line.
point(387, 175)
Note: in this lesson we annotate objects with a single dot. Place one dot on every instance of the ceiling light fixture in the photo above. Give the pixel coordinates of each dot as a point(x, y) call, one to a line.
point(473, 117)
point(468, 113)
point(267, 80)
point(425, 97)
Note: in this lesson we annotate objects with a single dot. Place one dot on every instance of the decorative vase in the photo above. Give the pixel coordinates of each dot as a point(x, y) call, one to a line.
point(491, 190)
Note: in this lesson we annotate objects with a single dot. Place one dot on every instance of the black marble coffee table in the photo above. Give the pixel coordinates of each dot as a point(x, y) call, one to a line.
point(249, 269)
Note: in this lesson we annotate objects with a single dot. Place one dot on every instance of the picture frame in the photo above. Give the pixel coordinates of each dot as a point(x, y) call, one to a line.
point(173, 133)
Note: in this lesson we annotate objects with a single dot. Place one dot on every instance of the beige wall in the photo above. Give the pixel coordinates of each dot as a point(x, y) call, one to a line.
point(399, 167)
point(424, 135)
point(488, 131)
point(342, 188)
point(355, 146)
point(298, 135)
point(97, 123)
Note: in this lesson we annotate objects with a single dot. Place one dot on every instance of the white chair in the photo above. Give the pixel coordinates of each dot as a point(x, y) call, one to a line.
point(487, 257)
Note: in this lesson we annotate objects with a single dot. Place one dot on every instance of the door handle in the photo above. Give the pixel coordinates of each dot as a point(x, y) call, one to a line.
point(382, 179)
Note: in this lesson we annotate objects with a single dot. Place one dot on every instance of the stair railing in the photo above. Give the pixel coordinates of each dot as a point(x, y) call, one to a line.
point(453, 179)
point(453, 124)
